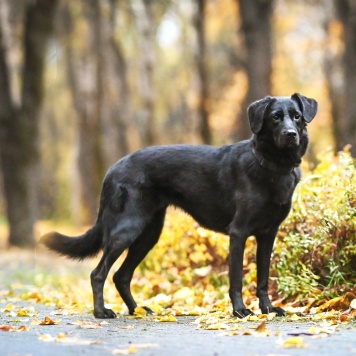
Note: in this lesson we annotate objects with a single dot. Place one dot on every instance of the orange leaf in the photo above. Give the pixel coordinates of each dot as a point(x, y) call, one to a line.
point(49, 321)
point(6, 327)
point(344, 318)
point(261, 328)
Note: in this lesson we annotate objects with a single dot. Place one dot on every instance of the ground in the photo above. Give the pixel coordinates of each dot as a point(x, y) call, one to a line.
point(45, 309)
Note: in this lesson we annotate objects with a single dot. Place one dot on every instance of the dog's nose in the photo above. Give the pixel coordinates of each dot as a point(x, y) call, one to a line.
point(291, 133)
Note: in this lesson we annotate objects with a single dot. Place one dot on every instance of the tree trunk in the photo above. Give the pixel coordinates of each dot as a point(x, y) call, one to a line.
point(346, 10)
point(124, 109)
point(144, 19)
point(19, 125)
point(333, 71)
point(85, 77)
point(204, 128)
point(256, 28)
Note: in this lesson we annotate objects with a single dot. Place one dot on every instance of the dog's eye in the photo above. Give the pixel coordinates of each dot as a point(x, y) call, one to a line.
point(297, 117)
point(275, 117)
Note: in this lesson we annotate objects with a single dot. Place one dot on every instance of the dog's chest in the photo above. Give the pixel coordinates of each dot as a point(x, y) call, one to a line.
point(280, 189)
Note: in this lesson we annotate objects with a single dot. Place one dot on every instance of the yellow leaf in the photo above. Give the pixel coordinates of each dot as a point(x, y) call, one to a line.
point(294, 342)
point(262, 316)
point(184, 293)
point(294, 317)
point(46, 338)
point(61, 336)
point(252, 318)
point(140, 312)
point(231, 333)
point(130, 350)
point(8, 308)
point(22, 312)
point(217, 326)
point(167, 318)
point(195, 312)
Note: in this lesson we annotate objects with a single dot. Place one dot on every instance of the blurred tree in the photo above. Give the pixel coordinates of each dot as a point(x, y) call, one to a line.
point(19, 122)
point(256, 30)
point(123, 108)
point(346, 11)
point(85, 73)
point(145, 24)
point(333, 70)
point(203, 96)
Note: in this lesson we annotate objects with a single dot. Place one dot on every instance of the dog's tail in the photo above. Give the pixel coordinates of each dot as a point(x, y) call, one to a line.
point(80, 247)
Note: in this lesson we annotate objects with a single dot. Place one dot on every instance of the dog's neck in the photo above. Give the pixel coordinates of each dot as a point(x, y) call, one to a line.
point(277, 160)
point(271, 166)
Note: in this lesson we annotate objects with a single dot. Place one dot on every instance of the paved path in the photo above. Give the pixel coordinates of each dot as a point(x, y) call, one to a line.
point(148, 337)
point(72, 336)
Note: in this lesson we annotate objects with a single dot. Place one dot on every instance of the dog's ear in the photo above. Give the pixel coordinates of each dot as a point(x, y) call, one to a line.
point(256, 113)
point(308, 106)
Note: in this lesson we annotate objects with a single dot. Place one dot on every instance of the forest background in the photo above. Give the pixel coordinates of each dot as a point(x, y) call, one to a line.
point(85, 82)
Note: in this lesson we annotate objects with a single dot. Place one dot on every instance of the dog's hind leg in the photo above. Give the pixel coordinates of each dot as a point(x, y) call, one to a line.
point(118, 238)
point(137, 252)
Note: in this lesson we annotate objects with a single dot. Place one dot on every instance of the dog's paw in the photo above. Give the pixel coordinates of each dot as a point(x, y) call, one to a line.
point(279, 311)
point(148, 310)
point(105, 314)
point(241, 313)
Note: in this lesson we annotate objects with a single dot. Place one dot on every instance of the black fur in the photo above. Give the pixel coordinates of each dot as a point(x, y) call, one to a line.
point(241, 189)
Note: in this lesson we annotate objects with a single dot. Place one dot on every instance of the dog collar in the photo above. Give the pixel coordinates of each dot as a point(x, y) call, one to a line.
point(270, 165)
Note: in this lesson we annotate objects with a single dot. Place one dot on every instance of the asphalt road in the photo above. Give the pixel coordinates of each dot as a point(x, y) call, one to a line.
point(74, 335)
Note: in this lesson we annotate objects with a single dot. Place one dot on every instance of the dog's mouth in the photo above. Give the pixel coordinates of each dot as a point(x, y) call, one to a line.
point(288, 142)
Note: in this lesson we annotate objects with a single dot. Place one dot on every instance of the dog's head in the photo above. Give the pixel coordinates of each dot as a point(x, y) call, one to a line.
point(282, 118)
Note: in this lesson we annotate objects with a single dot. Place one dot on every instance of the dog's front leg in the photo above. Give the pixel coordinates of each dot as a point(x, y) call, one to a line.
point(237, 246)
point(264, 251)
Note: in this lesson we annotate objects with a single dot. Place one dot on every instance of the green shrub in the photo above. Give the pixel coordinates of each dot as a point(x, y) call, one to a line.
point(316, 245)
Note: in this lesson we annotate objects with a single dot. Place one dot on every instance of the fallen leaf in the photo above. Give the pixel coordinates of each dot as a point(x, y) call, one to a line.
point(131, 349)
point(6, 327)
point(294, 317)
point(230, 333)
point(294, 342)
point(353, 304)
point(167, 318)
point(344, 319)
point(217, 326)
point(23, 312)
point(88, 325)
point(63, 339)
point(49, 321)
point(247, 332)
point(271, 316)
point(261, 328)
point(8, 308)
point(140, 312)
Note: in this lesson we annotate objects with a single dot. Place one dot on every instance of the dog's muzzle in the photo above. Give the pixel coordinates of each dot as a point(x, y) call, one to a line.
point(289, 138)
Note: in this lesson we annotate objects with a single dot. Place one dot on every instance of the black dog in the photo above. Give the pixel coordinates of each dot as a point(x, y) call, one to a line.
point(241, 189)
